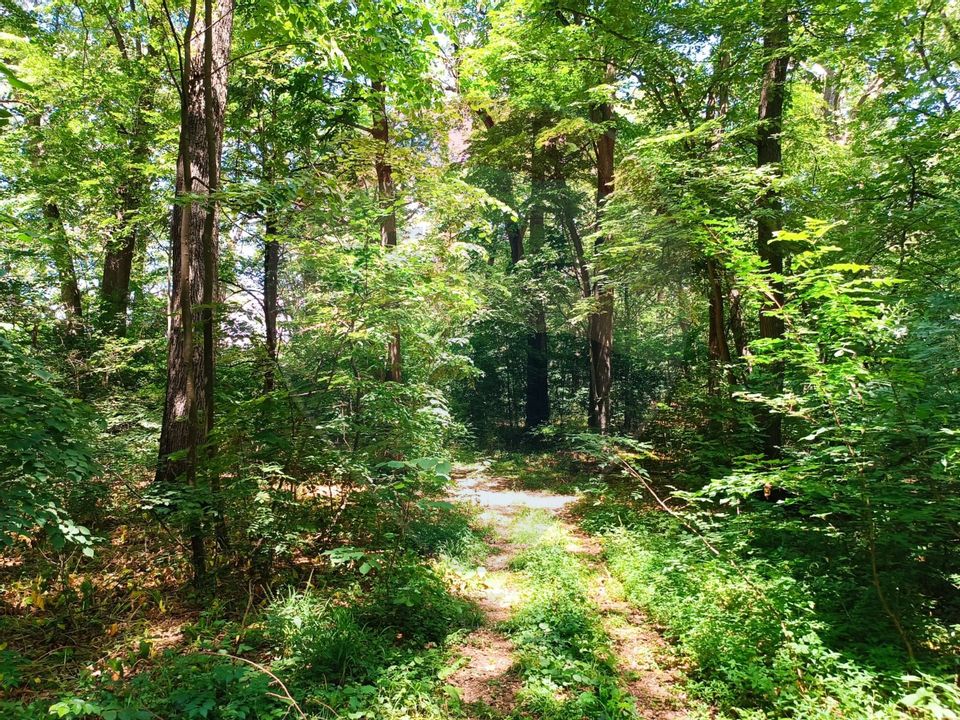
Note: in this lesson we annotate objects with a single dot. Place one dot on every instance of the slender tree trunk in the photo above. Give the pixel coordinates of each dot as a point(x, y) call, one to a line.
point(188, 409)
point(60, 251)
point(386, 194)
point(718, 100)
point(718, 347)
point(271, 268)
point(769, 155)
point(600, 323)
point(582, 272)
point(120, 251)
point(831, 102)
point(738, 328)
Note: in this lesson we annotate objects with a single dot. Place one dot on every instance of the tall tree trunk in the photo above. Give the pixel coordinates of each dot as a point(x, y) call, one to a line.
point(214, 113)
point(386, 195)
point(188, 408)
point(600, 322)
point(120, 251)
point(582, 272)
point(769, 155)
point(271, 268)
point(718, 99)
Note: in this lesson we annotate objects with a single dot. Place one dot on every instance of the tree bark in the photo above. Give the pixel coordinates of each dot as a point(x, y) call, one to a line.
point(600, 322)
point(769, 155)
point(386, 196)
point(188, 408)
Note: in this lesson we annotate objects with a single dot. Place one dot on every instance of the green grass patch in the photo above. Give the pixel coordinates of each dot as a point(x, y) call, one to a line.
point(754, 639)
point(556, 472)
point(564, 655)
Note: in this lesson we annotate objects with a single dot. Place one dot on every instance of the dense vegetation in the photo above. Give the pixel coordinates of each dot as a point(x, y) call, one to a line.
point(267, 269)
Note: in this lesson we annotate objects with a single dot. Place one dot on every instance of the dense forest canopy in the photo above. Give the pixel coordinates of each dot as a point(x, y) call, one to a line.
point(281, 281)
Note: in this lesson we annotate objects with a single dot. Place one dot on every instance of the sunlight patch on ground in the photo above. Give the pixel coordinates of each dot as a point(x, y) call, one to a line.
point(521, 519)
point(477, 490)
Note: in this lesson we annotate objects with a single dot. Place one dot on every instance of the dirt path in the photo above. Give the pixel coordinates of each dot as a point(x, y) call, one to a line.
point(488, 678)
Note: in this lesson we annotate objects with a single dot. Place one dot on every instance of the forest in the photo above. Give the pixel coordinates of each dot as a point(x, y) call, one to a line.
point(479, 359)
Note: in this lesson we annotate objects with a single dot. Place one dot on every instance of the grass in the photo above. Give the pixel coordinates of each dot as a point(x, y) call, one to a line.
point(754, 639)
point(565, 658)
point(556, 472)
point(348, 643)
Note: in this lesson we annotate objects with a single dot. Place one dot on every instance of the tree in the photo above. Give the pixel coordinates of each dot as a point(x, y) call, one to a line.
point(537, 395)
point(600, 329)
point(769, 159)
point(386, 198)
point(188, 409)
point(137, 56)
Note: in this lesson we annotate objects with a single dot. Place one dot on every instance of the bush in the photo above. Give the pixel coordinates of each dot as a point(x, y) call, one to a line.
point(754, 640)
point(46, 458)
point(413, 602)
point(323, 639)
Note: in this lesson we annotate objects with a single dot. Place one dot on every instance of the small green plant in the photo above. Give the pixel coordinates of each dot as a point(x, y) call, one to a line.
point(564, 654)
point(322, 638)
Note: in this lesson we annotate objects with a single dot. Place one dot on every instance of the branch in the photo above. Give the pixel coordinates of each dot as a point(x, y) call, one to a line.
point(286, 693)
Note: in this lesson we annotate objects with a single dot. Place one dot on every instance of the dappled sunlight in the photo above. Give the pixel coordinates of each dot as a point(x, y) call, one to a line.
point(509, 673)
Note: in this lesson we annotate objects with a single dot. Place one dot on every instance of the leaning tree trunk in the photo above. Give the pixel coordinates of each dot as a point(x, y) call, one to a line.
point(769, 156)
point(600, 322)
point(188, 408)
point(386, 195)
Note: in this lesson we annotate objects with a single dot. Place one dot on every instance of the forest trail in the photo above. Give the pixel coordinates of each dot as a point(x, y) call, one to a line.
point(490, 677)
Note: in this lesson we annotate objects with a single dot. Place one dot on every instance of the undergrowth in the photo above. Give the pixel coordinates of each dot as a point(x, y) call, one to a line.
point(565, 658)
point(753, 634)
point(356, 643)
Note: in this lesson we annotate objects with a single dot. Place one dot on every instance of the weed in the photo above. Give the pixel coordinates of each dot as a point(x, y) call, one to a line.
point(564, 654)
